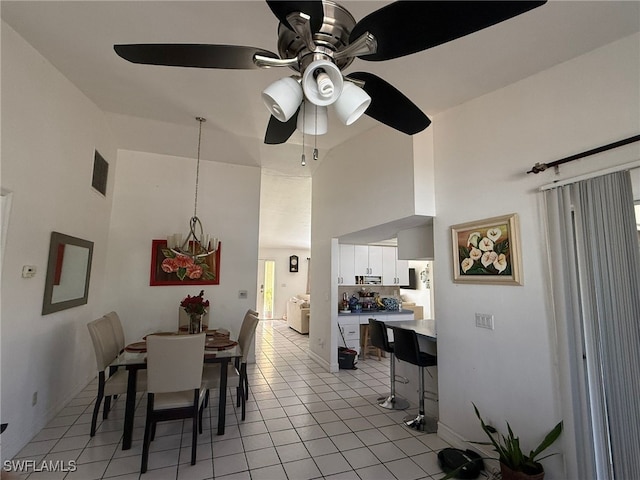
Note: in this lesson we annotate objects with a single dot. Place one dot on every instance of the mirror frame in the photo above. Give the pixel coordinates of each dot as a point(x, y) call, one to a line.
point(58, 239)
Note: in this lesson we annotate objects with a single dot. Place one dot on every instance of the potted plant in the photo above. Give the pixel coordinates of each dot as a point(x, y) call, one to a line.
point(514, 463)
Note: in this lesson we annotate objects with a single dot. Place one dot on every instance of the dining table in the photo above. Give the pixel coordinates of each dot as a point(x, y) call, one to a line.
point(218, 349)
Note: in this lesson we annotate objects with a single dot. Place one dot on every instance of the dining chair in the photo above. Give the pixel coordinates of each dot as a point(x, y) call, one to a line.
point(174, 385)
point(236, 373)
point(245, 340)
point(118, 331)
point(106, 350)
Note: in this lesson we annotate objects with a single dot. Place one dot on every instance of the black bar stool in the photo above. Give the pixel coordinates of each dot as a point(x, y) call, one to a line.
point(380, 339)
point(407, 349)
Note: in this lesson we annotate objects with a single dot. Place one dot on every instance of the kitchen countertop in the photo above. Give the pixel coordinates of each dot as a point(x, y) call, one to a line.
point(379, 312)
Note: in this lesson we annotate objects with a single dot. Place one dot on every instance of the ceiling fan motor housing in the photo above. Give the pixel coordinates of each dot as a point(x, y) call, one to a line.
point(332, 36)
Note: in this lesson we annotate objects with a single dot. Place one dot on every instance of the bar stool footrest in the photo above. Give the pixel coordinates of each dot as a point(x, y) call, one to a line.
point(421, 423)
point(393, 403)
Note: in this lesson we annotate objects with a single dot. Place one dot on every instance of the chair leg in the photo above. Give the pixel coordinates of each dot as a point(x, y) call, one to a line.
point(392, 402)
point(420, 422)
point(206, 399)
point(246, 381)
point(107, 407)
point(96, 408)
point(194, 428)
point(242, 398)
point(147, 434)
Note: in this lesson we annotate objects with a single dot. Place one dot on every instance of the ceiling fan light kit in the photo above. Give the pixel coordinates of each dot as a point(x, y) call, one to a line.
point(282, 98)
point(312, 119)
point(322, 83)
point(352, 104)
point(319, 39)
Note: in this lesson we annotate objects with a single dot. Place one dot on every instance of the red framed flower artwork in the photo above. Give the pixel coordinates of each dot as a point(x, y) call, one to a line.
point(169, 268)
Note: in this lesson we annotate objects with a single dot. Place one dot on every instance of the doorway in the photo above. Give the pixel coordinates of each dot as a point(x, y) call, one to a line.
point(266, 288)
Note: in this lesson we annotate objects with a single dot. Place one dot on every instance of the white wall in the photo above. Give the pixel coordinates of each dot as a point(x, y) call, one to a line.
point(360, 184)
point(287, 284)
point(49, 133)
point(154, 197)
point(483, 149)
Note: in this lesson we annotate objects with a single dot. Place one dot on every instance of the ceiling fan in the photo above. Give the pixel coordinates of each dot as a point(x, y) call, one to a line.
point(318, 39)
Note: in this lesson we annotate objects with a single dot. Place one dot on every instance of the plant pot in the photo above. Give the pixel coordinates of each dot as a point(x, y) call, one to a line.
point(508, 474)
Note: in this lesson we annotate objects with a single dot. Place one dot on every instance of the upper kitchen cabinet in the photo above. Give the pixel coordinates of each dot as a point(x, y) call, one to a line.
point(368, 260)
point(347, 275)
point(394, 272)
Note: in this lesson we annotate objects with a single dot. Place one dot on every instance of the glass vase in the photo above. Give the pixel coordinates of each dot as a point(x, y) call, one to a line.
point(195, 323)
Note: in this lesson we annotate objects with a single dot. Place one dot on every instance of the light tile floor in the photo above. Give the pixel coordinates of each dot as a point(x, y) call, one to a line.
point(301, 423)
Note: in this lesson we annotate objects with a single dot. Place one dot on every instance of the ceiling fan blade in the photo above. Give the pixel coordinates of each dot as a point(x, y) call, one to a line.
point(390, 106)
point(406, 27)
point(192, 55)
point(313, 8)
point(279, 132)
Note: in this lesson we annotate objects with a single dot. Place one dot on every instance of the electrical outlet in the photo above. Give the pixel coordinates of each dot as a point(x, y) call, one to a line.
point(34, 399)
point(484, 320)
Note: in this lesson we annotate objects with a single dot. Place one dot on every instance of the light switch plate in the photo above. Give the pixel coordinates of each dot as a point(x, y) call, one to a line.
point(484, 320)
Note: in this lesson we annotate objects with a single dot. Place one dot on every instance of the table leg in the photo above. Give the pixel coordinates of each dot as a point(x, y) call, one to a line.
point(222, 402)
point(130, 406)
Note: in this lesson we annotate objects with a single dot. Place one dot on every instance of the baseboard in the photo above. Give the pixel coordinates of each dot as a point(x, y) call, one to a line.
point(322, 362)
point(18, 438)
point(457, 441)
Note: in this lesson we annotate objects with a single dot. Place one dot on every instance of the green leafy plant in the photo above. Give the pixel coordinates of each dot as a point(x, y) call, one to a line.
point(508, 447)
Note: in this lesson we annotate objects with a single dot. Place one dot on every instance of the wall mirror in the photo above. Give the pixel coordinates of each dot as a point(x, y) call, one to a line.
point(68, 272)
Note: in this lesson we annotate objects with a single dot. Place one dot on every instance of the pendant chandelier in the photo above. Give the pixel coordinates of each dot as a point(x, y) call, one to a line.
point(196, 244)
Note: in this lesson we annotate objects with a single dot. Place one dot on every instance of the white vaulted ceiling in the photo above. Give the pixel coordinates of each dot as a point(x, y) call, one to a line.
point(152, 108)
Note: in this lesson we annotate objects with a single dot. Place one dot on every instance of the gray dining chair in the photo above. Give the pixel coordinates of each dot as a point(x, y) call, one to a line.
point(118, 331)
point(237, 371)
point(174, 385)
point(111, 382)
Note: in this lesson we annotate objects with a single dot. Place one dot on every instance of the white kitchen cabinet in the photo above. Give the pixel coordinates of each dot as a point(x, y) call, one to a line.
point(347, 275)
point(368, 260)
point(394, 272)
point(349, 334)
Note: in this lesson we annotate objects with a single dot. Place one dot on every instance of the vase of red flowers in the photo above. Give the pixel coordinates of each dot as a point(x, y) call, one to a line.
point(195, 307)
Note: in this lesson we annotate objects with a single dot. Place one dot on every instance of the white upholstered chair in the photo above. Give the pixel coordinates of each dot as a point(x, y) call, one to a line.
point(118, 331)
point(106, 349)
point(174, 385)
point(236, 374)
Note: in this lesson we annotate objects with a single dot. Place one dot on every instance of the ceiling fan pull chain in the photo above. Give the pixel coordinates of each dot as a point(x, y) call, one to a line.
point(303, 162)
point(315, 137)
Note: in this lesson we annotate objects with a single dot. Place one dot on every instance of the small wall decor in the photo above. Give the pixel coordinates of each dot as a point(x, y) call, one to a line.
point(68, 273)
point(100, 173)
point(293, 263)
point(487, 251)
point(170, 268)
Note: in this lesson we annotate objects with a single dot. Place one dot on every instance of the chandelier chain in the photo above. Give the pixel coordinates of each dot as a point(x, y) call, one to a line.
point(195, 204)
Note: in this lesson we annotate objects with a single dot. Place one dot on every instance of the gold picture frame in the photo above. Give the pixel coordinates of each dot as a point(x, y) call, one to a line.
point(487, 251)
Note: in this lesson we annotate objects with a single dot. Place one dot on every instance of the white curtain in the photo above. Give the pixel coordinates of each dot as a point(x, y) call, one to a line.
point(595, 276)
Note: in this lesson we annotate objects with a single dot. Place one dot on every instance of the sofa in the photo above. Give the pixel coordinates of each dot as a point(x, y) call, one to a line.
point(298, 308)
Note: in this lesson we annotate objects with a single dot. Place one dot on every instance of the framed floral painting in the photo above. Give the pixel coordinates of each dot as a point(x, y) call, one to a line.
point(487, 251)
point(169, 268)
